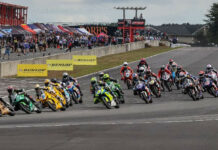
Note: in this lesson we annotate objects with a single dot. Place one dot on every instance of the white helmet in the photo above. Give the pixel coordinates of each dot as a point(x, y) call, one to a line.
point(65, 74)
point(209, 66)
point(141, 69)
point(125, 64)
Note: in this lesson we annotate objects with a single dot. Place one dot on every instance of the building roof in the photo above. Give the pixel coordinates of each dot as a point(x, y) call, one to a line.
point(178, 29)
point(12, 5)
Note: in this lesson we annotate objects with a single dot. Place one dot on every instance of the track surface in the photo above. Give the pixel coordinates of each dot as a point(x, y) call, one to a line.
point(171, 122)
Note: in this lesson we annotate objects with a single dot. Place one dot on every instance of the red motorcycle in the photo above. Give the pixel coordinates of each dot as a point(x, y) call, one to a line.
point(128, 78)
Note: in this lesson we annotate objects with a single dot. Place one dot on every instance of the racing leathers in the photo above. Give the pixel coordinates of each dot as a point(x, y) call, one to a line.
point(125, 69)
point(69, 79)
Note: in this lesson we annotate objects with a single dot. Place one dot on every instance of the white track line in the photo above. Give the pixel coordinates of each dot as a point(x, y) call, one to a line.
point(109, 123)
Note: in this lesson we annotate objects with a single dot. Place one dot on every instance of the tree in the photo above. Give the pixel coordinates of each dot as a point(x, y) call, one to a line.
point(212, 21)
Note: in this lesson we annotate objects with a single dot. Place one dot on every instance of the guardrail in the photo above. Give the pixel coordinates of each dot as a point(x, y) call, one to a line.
point(9, 68)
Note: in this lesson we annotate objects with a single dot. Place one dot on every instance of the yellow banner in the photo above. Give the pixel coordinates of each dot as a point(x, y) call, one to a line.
point(84, 60)
point(60, 65)
point(32, 70)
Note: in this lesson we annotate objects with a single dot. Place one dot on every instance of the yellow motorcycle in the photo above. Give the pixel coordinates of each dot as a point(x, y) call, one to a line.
point(6, 108)
point(60, 96)
point(48, 100)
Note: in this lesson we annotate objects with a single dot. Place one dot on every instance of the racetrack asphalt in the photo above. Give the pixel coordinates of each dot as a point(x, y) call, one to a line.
point(173, 121)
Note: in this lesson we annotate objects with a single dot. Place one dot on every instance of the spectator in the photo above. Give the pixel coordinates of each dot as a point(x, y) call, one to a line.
point(7, 50)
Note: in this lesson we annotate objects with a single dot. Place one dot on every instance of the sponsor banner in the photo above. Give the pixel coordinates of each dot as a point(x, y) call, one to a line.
point(84, 60)
point(60, 65)
point(32, 70)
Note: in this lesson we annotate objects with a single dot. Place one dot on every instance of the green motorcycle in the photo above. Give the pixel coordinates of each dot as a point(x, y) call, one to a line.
point(102, 95)
point(21, 102)
point(116, 90)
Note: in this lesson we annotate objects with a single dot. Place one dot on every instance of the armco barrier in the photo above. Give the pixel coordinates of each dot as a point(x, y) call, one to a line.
point(10, 68)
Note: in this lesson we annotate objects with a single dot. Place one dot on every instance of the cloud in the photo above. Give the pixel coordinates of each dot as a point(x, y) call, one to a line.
point(157, 12)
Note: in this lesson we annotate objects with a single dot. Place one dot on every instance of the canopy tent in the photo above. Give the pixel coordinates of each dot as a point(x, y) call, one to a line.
point(2, 34)
point(65, 30)
point(41, 26)
point(81, 32)
point(14, 31)
point(56, 29)
point(102, 34)
point(35, 28)
point(75, 31)
point(27, 28)
point(22, 31)
point(84, 31)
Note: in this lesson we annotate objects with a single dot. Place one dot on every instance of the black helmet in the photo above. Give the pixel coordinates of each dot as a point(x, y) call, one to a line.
point(162, 68)
point(179, 68)
point(54, 80)
point(65, 75)
point(101, 74)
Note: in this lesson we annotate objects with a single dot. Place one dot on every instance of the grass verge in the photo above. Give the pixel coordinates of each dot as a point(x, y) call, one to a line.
point(112, 61)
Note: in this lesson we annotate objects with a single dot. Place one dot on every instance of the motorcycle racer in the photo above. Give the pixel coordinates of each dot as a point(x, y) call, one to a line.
point(125, 68)
point(142, 63)
point(170, 64)
point(66, 79)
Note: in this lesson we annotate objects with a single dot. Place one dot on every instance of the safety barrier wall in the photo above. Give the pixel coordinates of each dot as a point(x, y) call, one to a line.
point(10, 68)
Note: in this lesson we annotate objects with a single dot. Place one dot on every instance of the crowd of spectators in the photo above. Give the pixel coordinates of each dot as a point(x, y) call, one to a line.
point(59, 41)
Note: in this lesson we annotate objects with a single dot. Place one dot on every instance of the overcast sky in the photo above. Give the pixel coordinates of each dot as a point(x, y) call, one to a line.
point(84, 11)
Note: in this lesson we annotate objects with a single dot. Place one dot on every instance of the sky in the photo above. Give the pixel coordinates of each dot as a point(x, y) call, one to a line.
point(89, 11)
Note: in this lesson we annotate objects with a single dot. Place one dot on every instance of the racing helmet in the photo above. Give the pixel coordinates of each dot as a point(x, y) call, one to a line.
point(106, 77)
point(209, 67)
point(162, 68)
point(93, 80)
point(179, 68)
point(201, 73)
point(65, 75)
point(10, 89)
point(143, 60)
point(54, 80)
point(125, 64)
point(174, 65)
point(135, 76)
point(47, 81)
point(171, 61)
point(101, 74)
point(141, 69)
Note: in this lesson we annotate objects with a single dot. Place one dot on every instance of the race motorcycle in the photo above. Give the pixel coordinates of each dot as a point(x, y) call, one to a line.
point(49, 100)
point(128, 79)
point(22, 102)
point(178, 80)
point(116, 92)
point(210, 87)
point(143, 92)
point(191, 89)
point(166, 81)
point(60, 96)
point(154, 86)
point(75, 93)
point(213, 75)
point(6, 108)
point(103, 96)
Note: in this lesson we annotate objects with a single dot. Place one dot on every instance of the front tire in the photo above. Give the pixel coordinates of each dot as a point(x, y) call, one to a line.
point(25, 108)
point(107, 105)
point(52, 106)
